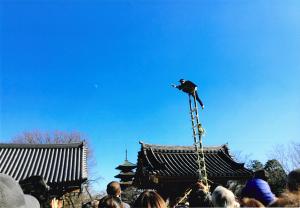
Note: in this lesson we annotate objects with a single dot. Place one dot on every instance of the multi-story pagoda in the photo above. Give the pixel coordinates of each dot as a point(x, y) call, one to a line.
point(126, 174)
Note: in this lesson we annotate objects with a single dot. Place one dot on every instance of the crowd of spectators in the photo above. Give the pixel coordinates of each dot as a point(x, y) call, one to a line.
point(256, 193)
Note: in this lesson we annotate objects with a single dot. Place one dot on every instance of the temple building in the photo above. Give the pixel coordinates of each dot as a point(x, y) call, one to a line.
point(126, 174)
point(172, 169)
point(63, 167)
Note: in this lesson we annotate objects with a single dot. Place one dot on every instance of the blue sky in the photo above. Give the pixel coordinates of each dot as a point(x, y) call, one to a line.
point(104, 68)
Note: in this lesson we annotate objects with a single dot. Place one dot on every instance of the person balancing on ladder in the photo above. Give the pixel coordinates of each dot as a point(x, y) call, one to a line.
point(190, 88)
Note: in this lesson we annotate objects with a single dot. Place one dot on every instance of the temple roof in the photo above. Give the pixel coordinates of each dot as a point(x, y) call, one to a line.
point(127, 174)
point(126, 165)
point(180, 162)
point(56, 163)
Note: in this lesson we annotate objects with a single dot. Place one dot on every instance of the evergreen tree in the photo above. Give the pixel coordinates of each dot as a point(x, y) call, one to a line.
point(277, 176)
point(255, 165)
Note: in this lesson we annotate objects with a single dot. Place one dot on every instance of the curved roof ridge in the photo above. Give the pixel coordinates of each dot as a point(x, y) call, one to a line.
point(179, 147)
point(232, 159)
point(62, 145)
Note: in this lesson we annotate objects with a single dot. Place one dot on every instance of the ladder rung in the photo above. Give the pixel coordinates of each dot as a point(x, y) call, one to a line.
point(196, 126)
point(194, 110)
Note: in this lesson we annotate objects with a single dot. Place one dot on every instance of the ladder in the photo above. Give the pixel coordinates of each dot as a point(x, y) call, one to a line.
point(198, 132)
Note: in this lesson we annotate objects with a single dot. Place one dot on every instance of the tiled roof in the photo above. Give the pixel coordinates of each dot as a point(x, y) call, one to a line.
point(56, 163)
point(180, 162)
point(124, 175)
point(126, 165)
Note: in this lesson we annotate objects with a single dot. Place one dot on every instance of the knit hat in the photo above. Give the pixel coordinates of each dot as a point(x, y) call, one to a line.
point(12, 196)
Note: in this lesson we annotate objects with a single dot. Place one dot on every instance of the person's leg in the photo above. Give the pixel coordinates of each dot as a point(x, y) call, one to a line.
point(198, 99)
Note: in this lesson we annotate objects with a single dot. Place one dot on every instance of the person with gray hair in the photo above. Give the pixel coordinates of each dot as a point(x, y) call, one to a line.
point(12, 196)
point(222, 197)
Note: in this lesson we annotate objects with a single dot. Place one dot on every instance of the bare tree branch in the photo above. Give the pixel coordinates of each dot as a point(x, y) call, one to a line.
point(288, 155)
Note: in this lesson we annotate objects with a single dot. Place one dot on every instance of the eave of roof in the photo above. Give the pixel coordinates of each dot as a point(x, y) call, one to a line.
point(56, 163)
point(180, 162)
point(42, 146)
point(126, 165)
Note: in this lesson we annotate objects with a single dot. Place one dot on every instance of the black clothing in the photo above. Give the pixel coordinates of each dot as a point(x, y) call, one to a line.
point(198, 198)
point(190, 88)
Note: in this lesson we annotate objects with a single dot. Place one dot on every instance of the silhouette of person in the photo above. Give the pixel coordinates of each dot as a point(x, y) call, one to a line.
point(190, 88)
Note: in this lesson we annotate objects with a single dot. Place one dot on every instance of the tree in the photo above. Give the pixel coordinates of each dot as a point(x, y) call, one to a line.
point(255, 165)
point(60, 137)
point(239, 156)
point(55, 137)
point(288, 155)
point(277, 176)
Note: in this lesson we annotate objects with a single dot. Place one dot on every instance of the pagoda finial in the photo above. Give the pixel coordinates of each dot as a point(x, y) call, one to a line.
point(126, 155)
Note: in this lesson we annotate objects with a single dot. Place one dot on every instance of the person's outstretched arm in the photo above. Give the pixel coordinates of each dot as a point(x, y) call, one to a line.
point(177, 86)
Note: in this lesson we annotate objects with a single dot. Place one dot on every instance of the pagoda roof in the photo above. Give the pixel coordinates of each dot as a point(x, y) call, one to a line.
point(126, 183)
point(127, 174)
point(126, 165)
point(179, 162)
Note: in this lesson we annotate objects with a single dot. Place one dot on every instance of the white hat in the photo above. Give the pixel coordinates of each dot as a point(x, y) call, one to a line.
point(12, 196)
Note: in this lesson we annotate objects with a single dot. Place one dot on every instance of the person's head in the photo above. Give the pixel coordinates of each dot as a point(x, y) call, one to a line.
point(110, 202)
point(261, 174)
point(199, 196)
point(113, 188)
point(35, 186)
point(12, 196)
point(202, 186)
point(293, 180)
point(150, 199)
point(222, 197)
point(182, 81)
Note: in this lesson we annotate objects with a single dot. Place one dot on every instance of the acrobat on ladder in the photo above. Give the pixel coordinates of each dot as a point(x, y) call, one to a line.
point(191, 89)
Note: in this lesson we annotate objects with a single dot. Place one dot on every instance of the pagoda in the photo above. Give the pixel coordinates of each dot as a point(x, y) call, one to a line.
point(126, 174)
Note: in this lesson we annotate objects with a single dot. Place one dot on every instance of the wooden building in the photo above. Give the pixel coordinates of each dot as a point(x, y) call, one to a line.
point(172, 169)
point(62, 166)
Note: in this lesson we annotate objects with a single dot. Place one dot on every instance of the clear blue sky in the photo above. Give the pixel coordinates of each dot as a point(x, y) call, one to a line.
point(104, 68)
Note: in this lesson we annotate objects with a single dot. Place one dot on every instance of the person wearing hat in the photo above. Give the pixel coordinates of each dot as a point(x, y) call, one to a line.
point(189, 88)
point(12, 196)
point(259, 189)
